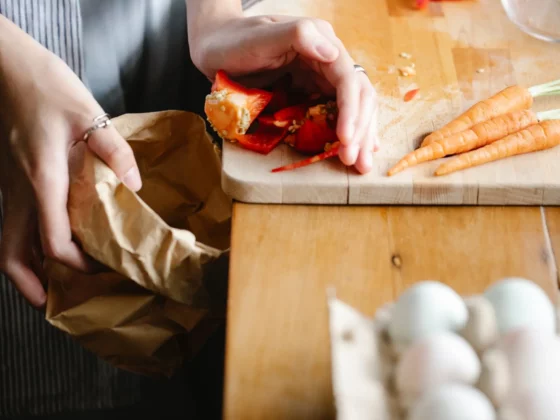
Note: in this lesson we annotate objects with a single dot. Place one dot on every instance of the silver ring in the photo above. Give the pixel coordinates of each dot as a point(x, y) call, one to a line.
point(359, 68)
point(102, 121)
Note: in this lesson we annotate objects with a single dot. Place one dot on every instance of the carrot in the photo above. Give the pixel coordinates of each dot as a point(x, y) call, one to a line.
point(537, 137)
point(510, 99)
point(479, 135)
point(333, 151)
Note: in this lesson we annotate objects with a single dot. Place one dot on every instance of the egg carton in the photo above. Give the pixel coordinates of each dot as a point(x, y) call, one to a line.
point(435, 355)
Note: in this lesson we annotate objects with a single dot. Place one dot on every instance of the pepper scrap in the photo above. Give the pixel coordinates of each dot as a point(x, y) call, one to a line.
point(252, 118)
point(316, 130)
point(410, 95)
point(331, 150)
point(265, 138)
point(422, 4)
point(231, 108)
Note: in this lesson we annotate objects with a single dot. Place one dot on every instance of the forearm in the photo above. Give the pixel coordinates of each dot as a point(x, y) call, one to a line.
point(19, 53)
point(204, 15)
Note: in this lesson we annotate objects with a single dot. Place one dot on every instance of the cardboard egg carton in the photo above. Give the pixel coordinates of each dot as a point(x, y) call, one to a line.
point(363, 363)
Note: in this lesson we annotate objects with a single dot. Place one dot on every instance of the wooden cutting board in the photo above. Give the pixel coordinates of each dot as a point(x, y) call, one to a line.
point(463, 52)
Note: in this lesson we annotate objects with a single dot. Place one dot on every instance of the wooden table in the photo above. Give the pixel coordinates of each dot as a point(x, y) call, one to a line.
point(284, 258)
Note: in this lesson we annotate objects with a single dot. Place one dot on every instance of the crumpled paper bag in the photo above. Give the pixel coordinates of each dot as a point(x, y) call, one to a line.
point(165, 249)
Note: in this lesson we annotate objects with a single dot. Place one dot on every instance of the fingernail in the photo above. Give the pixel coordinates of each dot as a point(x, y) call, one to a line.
point(326, 50)
point(132, 179)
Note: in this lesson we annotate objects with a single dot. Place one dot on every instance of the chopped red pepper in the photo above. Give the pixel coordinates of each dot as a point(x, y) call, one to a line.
point(231, 108)
point(264, 139)
point(296, 112)
point(258, 120)
point(267, 120)
point(333, 151)
point(410, 95)
point(422, 4)
point(312, 137)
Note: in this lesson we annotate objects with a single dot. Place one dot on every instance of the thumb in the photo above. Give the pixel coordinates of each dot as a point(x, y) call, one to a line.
point(303, 36)
point(114, 150)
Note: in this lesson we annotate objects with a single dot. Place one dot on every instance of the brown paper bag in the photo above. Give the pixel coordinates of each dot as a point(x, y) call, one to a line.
point(165, 249)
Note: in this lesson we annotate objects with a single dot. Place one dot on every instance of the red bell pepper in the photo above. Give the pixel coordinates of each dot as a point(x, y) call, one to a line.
point(312, 137)
point(253, 117)
point(231, 108)
point(264, 139)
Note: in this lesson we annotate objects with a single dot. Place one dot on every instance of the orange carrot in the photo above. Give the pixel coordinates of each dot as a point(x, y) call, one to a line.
point(537, 137)
point(333, 151)
point(513, 98)
point(479, 135)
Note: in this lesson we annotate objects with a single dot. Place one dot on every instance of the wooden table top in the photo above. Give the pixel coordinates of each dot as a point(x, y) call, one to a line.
point(284, 257)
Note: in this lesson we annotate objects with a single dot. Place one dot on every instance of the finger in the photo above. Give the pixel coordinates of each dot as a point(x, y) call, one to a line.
point(365, 129)
point(375, 132)
point(301, 36)
point(342, 76)
point(114, 150)
point(37, 257)
point(51, 193)
point(348, 154)
point(348, 96)
point(365, 112)
point(15, 255)
point(364, 163)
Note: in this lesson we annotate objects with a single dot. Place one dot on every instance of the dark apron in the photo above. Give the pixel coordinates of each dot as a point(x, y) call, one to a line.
point(115, 48)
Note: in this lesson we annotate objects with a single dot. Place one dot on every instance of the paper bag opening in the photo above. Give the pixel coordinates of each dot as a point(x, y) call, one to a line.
point(165, 248)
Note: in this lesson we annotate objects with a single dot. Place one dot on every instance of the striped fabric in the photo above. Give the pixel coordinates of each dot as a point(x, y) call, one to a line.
point(56, 24)
point(42, 371)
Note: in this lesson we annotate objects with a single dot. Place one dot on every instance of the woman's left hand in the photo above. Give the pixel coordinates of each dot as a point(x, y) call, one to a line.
point(257, 50)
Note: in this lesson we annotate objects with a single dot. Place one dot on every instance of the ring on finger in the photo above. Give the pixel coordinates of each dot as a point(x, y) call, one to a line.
point(101, 121)
point(358, 69)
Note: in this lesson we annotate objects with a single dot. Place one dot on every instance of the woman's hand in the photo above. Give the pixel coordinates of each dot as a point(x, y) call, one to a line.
point(45, 110)
point(266, 46)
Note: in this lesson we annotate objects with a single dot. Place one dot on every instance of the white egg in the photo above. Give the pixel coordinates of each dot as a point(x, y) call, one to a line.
point(518, 303)
point(453, 402)
point(433, 361)
point(495, 379)
point(533, 359)
point(426, 308)
point(481, 330)
point(541, 403)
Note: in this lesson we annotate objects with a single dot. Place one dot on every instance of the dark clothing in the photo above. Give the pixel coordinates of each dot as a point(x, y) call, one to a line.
point(133, 55)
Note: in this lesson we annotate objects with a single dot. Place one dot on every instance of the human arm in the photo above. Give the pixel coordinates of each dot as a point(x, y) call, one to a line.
point(261, 47)
point(203, 14)
point(45, 111)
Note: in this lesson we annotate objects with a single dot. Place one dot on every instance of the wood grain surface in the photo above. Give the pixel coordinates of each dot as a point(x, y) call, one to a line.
point(463, 52)
point(284, 258)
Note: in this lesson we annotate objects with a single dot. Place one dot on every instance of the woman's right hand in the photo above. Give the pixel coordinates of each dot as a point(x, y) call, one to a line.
point(45, 110)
